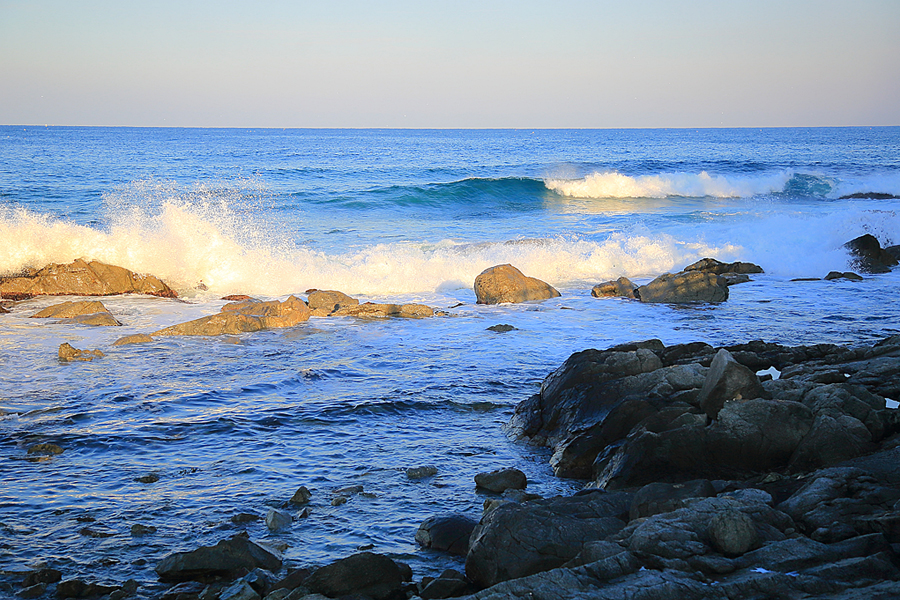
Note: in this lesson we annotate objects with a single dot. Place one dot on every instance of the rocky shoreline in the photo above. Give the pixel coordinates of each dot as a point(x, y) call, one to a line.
point(750, 471)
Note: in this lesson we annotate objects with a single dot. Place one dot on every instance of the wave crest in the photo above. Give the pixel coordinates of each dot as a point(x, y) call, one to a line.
point(693, 185)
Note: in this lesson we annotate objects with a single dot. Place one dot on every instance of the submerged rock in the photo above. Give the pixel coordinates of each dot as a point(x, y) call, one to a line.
point(81, 278)
point(375, 310)
point(505, 283)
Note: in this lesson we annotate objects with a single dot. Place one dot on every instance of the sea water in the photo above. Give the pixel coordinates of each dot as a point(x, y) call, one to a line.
point(236, 424)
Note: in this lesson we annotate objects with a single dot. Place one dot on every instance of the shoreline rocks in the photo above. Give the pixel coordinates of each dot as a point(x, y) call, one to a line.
point(81, 278)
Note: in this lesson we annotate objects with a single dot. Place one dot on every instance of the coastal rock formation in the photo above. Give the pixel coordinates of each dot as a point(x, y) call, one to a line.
point(505, 283)
point(244, 317)
point(137, 338)
point(711, 265)
point(639, 413)
point(82, 278)
point(516, 540)
point(868, 256)
point(226, 558)
point(685, 287)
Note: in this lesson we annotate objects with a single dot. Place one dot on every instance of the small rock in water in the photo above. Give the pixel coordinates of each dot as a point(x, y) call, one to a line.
point(44, 575)
point(303, 514)
point(68, 353)
point(501, 480)
point(421, 472)
point(277, 519)
point(338, 500)
point(33, 591)
point(850, 275)
point(351, 489)
point(301, 496)
point(502, 328)
point(148, 478)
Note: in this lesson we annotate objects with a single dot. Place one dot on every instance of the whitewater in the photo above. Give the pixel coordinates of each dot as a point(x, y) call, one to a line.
point(237, 424)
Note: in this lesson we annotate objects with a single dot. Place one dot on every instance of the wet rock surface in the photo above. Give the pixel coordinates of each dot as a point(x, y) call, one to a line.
point(505, 283)
point(82, 278)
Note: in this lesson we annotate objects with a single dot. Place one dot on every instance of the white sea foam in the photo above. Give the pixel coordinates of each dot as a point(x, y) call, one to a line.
point(695, 185)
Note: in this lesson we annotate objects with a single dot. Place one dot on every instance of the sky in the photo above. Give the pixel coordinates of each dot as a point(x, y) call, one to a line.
point(459, 64)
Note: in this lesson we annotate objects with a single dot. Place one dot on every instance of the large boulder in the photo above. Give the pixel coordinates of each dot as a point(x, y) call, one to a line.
point(684, 288)
point(868, 256)
point(505, 283)
point(362, 574)
point(244, 317)
point(226, 558)
point(516, 540)
point(82, 278)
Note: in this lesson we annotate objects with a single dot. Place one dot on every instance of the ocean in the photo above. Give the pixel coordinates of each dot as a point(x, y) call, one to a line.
point(236, 424)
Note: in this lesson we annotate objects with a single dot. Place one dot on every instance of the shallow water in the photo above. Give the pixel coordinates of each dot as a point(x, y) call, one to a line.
point(238, 423)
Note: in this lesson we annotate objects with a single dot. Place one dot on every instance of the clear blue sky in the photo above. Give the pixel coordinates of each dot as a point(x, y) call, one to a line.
point(426, 63)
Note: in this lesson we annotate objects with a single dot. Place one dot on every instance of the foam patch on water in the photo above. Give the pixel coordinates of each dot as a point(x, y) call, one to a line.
point(695, 185)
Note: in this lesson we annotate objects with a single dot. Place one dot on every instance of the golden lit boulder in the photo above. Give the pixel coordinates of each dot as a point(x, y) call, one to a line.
point(82, 278)
point(69, 353)
point(244, 317)
point(67, 310)
point(326, 302)
point(505, 283)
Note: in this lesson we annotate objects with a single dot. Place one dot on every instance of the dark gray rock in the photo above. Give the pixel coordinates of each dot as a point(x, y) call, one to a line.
point(225, 558)
point(733, 533)
point(448, 533)
point(727, 380)
point(659, 497)
point(868, 256)
point(685, 288)
point(516, 540)
point(711, 265)
point(363, 574)
point(301, 496)
point(501, 480)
